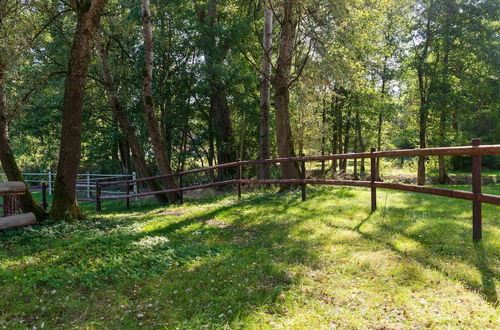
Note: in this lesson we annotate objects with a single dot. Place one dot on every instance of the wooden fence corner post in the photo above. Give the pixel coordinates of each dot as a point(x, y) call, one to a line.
point(97, 197)
point(303, 184)
point(238, 173)
point(476, 189)
point(373, 178)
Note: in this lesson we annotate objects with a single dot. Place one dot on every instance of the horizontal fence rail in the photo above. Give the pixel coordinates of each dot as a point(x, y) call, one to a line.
point(476, 196)
point(85, 187)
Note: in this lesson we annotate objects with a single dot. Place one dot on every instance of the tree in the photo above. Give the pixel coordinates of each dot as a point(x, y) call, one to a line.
point(88, 15)
point(148, 103)
point(7, 159)
point(284, 141)
point(421, 64)
point(265, 88)
point(125, 126)
point(215, 48)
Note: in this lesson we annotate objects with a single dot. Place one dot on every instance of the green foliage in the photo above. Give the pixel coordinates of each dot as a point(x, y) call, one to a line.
point(359, 52)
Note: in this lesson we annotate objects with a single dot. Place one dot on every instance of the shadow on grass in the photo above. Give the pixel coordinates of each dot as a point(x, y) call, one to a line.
point(440, 224)
point(242, 264)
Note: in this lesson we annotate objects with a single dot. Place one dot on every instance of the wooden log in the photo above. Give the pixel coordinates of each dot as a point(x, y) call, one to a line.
point(17, 220)
point(11, 205)
point(12, 188)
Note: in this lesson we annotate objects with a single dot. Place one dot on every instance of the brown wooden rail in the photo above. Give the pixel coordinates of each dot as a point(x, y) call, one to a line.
point(475, 151)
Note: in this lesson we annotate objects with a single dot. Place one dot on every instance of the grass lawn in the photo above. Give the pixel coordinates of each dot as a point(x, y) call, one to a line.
point(267, 261)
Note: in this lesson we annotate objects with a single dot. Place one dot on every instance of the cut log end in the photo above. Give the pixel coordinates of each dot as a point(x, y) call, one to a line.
point(12, 188)
point(17, 220)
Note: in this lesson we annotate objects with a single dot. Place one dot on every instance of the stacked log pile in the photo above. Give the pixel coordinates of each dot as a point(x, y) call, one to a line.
point(11, 193)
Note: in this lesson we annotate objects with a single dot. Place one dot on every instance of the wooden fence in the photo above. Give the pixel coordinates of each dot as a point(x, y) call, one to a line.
point(476, 196)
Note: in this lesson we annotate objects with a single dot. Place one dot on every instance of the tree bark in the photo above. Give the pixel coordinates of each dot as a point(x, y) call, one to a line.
point(340, 129)
point(422, 134)
point(224, 140)
point(335, 140)
point(7, 159)
point(443, 177)
point(124, 155)
point(64, 204)
point(445, 89)
point(323, 137)
point(381, 119)
point(148, 102)
point(126, 128)
point(265, 89)
point(284, 140)
point(361, 143)
point(423, 111)
point(347, 137)
point(219, 108)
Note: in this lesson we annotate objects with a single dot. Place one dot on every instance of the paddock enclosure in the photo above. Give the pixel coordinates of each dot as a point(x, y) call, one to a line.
point(475, 151)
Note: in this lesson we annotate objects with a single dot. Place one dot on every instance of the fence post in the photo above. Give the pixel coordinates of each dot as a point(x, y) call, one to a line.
point(373, 178)
point(50, 183)
point(476, 189)
point(238, 173)
point(44, 196)
point(128, 198)
point(303, 185)
point(181, 195)
point(88, 184)
point(97, 197)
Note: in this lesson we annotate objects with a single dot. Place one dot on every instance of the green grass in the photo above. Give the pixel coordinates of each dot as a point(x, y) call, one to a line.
point(267, 261)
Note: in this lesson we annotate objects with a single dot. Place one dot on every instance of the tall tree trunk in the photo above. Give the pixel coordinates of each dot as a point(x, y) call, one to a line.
point(211, 148)
point(284, 140)
point(422, 142)
point(64, 204)
point(340, 130)
point(423, 111)
point(224, 140)
point(361, 143)
point(243, 134)
point(356, 176)
point(7, 159)
point(323, 137)
point(445, 89)
point(128, 131)
point(151, 118)
point(265, 89)
point(220, 115)
point(124, 155)
point(347, 137)
point(443, 177)
point(380, 113)
point(381, 119)
point(335, 140)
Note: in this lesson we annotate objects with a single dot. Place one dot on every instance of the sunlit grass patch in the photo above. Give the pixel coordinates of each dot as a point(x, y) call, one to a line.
point(265, 261)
